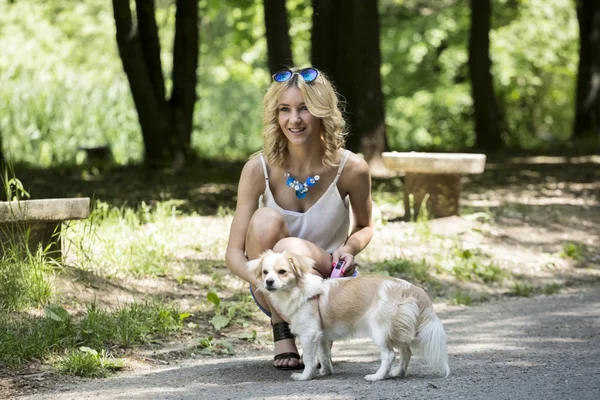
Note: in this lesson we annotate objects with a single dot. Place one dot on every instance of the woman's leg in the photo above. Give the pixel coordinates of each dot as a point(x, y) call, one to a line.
point(266, 228)
point(266, 231)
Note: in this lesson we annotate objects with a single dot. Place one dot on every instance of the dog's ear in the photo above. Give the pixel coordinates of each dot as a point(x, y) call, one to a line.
point(255, 267)
point(300, 264)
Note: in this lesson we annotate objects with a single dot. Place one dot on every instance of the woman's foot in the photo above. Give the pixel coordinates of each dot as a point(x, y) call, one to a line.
point(286, 355)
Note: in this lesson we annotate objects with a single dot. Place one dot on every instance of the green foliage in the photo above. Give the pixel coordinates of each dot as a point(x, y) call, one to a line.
point(425, 72)
point(405, 269)
point(461, 298)
point(136, 242)
point(573, 250)
point(25, 277)
point(63, 85)
point(521, 290)
point(23, 338)
point(470, 265)
point(89, 363)
point(210, 346)
point(553, 288)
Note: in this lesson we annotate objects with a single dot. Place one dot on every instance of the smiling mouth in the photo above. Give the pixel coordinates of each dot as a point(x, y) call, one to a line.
point(296, 130)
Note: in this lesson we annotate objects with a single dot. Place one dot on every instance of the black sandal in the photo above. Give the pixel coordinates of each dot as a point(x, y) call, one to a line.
point(281, 331)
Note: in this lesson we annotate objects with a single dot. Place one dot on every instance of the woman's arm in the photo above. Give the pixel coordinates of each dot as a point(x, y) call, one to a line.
point(250, 187)
point(357, 181)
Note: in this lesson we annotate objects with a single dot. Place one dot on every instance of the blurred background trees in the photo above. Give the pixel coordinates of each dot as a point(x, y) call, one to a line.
point(587, 100)
point(404, 68)
point(166, 123)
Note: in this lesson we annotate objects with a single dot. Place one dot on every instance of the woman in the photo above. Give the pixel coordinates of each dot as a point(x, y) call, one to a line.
point(295, 194)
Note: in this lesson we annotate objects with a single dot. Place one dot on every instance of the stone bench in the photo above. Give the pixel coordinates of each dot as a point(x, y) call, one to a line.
point(436, 174)
point(40, 221)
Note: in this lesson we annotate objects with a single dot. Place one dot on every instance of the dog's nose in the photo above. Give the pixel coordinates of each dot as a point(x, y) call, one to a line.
point(269, 282)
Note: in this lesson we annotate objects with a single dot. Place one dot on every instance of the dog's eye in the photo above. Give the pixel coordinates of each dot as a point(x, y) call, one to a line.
point(282, 271)
point(265, 272)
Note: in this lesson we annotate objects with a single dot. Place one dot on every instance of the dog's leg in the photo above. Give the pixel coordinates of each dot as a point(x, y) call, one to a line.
point(324, 356)
point(387, 358)
point(309, 342)
point(399, 370)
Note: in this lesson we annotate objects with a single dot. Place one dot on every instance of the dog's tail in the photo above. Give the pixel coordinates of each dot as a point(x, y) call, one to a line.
point(432, 341)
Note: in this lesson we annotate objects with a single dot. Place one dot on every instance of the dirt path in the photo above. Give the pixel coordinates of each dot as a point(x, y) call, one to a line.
point(547, 347)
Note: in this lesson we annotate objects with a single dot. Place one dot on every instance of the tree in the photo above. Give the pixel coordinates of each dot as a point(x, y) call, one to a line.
point(1, 153)
point(345, 45)
point(166, 123)
point(278, 39)
point(587, 98)
point(488, 119)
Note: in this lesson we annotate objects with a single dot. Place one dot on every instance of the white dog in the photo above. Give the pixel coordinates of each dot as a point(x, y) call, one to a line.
point(394, 313)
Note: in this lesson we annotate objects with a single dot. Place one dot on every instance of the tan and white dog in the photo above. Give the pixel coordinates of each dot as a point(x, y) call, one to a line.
point(394, 313)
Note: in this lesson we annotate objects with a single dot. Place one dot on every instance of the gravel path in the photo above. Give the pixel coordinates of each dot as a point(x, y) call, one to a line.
point(546, 347)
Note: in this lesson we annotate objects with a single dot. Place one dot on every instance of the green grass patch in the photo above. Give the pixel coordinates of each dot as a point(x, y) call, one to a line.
point(24, 338)
point(406, 269)
point(470, 266)
point(553, 288)
point(573, 250)
point(461, 298)
point(521, 290)
point(25, 278)
point(88, 363)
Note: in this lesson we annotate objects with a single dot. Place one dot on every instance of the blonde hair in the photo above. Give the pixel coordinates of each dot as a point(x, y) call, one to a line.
point(321, 100)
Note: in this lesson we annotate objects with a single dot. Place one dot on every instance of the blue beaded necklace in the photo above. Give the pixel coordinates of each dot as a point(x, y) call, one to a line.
point(300, 188)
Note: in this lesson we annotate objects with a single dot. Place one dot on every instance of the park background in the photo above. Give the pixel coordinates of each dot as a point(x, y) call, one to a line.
point(146, 270)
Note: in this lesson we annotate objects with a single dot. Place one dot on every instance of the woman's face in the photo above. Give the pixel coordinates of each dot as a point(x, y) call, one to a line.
point(297, 124)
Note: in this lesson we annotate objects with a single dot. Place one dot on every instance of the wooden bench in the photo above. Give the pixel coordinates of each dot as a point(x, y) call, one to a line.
point(434, 174)
point(39, 221)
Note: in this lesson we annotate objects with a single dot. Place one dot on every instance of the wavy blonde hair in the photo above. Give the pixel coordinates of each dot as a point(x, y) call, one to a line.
point(321, 100)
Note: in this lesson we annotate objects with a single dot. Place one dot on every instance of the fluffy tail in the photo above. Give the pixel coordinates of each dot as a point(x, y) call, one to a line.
point(432, 342)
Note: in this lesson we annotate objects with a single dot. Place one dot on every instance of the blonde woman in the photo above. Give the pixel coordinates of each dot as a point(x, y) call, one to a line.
point(297, 193)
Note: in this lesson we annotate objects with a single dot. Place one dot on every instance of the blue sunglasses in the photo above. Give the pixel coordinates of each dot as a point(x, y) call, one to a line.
point(308, 74)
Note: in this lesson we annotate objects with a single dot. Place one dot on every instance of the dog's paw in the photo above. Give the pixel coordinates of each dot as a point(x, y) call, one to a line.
point(373, 378)
point(325, 371)
point(297, 376)
point(326, 368)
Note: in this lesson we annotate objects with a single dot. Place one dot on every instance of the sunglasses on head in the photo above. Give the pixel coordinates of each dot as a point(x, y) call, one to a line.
point(308, 74)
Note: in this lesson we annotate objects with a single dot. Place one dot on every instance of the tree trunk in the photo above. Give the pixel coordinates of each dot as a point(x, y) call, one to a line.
point(277, 27)
point(166, 124)
point(345, 45)
point(488, 120)
point(185, 64)
point(1, 154)
point(587, 99)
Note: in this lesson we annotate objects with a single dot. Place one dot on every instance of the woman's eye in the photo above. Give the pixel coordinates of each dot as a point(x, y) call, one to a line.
point(284, 109)
point(303, 108)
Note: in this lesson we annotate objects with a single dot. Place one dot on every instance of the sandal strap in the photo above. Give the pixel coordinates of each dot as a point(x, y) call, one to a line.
point(286, 356)
point(281, 331)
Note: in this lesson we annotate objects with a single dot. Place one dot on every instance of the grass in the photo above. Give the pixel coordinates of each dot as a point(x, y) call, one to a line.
point(24, 338)
point(89, 363)
point(573, 250)
point(405, 269)
point(521, 290)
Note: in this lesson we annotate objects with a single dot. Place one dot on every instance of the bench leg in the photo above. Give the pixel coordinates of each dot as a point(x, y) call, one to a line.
point(443, 190)
point(46, 233)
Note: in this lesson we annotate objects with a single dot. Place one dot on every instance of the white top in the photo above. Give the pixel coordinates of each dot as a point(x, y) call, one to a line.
point(325, 223)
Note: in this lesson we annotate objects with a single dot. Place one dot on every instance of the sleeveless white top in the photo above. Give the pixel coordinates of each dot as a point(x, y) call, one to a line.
point(325, 223)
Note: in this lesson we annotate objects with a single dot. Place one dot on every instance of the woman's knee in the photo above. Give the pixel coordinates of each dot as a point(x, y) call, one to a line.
point(293, 244)
point(266, 226)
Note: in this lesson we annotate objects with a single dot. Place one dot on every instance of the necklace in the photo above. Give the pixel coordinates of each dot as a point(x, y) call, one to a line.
point(300, 188)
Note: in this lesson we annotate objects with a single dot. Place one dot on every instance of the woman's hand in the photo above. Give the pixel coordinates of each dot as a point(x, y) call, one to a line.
point(340, 254)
